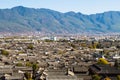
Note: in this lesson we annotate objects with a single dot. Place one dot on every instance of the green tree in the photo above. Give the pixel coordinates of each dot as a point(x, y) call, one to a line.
point(99, 45)
point(96, 77)
point(83, 45)
point(47, 40)
point(30, 47)
point(19, 64)
point(94, 45)
point(4, 52)
point(35, 67)
point(117, 63)
point(72, 45)
point(28, 64)
point(28, 76)
point(118, 77)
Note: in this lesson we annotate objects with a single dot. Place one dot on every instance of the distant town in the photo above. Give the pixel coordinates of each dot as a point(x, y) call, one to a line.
point(60, 57)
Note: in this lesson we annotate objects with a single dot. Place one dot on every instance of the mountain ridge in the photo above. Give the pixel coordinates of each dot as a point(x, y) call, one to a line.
point(23, 19)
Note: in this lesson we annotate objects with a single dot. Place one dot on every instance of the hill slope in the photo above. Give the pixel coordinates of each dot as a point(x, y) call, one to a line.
point(22, 19)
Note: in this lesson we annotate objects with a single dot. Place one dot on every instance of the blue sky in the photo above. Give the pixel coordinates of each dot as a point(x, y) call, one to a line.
point(83, 6)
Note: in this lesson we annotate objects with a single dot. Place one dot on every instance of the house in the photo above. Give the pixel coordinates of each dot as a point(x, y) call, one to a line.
point(6, 71)
point(61, 77)
point(58, 74)
point(23, 69)
point(2, 77)
point(14, 76)
point(82, 72)
point(104, 70)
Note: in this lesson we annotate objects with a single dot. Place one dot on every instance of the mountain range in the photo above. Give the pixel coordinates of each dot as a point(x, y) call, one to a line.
point(22, 19)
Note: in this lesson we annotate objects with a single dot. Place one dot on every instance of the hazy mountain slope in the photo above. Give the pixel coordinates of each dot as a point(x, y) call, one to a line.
point(22, 19)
